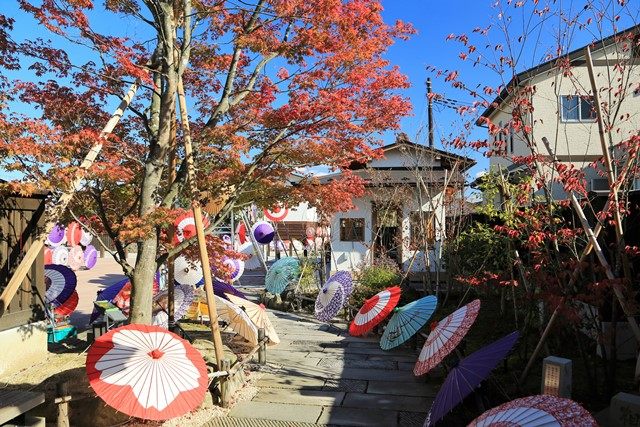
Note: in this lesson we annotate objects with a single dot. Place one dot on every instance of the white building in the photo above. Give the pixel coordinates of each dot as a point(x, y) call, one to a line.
point(403, 211)
point(561, 109)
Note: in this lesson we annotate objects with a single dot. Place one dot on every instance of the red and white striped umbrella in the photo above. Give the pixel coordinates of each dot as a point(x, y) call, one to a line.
point(536, 411)
point(186, 226)
point(147, 372)
point(68, 306)
point(374, 310)
point(277, 213)
point(446, 336)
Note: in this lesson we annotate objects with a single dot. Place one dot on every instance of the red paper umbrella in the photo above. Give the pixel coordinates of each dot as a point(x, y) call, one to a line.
point(445, 337)
point(277, 213)
point(68, 306)
point(74, 234)
point(48, 256)
point(374, 310)
point(147, 372)
point(186, 226)
point(241, 231)
point(540, 410)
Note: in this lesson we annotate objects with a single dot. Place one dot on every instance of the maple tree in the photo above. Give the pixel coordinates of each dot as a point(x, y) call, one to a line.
point(274, 87)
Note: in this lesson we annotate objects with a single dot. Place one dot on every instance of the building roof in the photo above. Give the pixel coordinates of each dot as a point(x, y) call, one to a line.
point(573, 56)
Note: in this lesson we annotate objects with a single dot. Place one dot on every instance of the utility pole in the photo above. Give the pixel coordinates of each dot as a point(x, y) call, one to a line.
point(430, 111)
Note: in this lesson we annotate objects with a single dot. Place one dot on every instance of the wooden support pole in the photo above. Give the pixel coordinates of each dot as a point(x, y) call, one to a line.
point(62, 394)
point(262, 353)
point(256, 248)
point(225, 392)
point(61, 204)
point(171, 286)
point(197, 215)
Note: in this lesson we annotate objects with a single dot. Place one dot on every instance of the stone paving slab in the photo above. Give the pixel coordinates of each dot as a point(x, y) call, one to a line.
point(284, 381)
point(401, 388)
point(400, 358)
point(300, 397)
point(358, 417)
point(345, 385)
point(377, 375)
point(355, 363)
point(406, 366)
point(380, 401)
point(276, 411)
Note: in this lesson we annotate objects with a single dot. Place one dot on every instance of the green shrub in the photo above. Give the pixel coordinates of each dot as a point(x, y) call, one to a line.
point(374, 277)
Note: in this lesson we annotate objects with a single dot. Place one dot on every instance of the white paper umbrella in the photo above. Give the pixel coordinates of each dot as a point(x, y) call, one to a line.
point(187, 272)
point(60, 255)
point(253, 262)
point(258, 315)
point(237, 319)
point(85, 238)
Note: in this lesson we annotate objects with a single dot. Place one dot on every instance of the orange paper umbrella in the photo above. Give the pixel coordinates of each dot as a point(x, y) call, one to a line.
point(147, 372)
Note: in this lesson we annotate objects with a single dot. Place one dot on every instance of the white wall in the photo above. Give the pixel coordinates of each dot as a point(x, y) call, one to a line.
point(302, 213)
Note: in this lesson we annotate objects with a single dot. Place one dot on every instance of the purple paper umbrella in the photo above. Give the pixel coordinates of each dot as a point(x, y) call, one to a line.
point(330, 300)
point(221, 288)
point(263, 232)
point(90, 257)
point(467, 375)
point(344, 278)
point(236, 267)
point(56, 236)
point(183, 297)
point(60, 282)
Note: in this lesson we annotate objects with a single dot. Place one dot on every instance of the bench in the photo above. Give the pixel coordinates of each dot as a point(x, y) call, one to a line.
point(16, 404)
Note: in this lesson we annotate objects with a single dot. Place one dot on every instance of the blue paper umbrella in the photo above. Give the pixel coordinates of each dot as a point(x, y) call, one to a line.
point(407, 320)
point(281, 274)
point(60, 282)
point(466, 375)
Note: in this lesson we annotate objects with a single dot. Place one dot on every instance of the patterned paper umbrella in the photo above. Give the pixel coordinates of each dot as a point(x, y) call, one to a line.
point(329, 301)
point(407, 320)
point(536, 411)
point(90, 257)
point(56, 236)
point(467, 375)
point(60, 255)
point(74, 233)
point(183, 296)
point(446, 336)
point(237, 319)
point(235, 266)
point(258, 315)
point(147, 372)
point(86, 238)
point(263, 232)
point(221, 289)
point(186, 226)
point(60, 282)
point(281, 274)
point(76, 258)
point(187, 272)
point(68, 306)
point(277, 213)
point(374, 310)
point(253, 261)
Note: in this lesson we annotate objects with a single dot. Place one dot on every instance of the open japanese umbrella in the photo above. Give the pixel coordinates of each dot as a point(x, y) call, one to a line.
point(183, 296)
point(281, 274)
point(237, 319)
point(467, 374)
point(60, 255)
point(221, 289)
point(253, 261)
point(446, 336)
point(187, 272)
point(186, 226)
point(90, 257)
point(67, 307)
point(333, 296)
point(374, 310)
point(258, 315)
point(56, 236)
point(277, 213)
point(60, 282)
point(536, 411)
point(407, 320)
point(235, 268)
point(74, 233)
point(147, 372)
point(241, 231)
point(115, 294)
point(48, 255)
point(85, 238)
point(263, 232)
point(76, 258)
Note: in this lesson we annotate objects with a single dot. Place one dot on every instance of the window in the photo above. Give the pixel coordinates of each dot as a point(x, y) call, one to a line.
point(422, 228)
point(575, 108)
point(352, 229)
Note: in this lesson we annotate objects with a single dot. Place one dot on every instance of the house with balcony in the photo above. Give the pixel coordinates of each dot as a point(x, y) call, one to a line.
point(555, 100)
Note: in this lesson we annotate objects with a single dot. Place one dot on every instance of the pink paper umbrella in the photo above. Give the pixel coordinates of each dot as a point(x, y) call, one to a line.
point(76, 258)
point(536, 411)
point(90, 257)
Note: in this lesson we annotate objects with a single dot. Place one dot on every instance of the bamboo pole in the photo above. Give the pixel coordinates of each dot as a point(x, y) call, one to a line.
point(61, 205)
point(197, 215)
point(256, 248)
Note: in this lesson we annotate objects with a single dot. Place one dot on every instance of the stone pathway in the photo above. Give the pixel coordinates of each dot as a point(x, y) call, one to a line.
point(319, 375)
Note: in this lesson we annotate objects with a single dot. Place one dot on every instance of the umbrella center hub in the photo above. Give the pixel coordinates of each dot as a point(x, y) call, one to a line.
point(156, 354)
point(396, 309)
